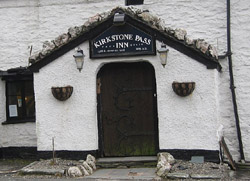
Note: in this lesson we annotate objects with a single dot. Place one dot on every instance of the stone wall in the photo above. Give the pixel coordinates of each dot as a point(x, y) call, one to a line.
point(31, 22)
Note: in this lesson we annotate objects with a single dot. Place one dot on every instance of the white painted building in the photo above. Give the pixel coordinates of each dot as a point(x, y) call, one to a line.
point(183, 126)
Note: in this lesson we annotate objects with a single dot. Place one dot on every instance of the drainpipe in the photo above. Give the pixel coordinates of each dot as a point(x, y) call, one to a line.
point(232, 87)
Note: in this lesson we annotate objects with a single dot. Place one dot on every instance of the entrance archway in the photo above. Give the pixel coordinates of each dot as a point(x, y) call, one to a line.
point(127, 112)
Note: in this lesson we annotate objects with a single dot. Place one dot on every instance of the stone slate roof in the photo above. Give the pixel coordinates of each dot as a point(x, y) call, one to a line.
point(197, 49)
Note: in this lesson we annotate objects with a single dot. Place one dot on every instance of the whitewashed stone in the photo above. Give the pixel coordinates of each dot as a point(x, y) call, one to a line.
point(189, 41)
point(91, 161)
point(92, 165)
point(151, 19)
point(135, 10)
point(84, 28)
point(202, 45)
point(180, 34)
point(162, 25)
point(169, 30)
point(164, 163)
point(95, 19)
point(33, 58)
point(104, 15)
point(212, 51)
point(74, 172)
point(61, 40)
point(165, 157)
point(49, 44)
point(84, 171)
point(90, 158)
point(88, 168)
point(74, 31)
point(163, 168)
point(41, 55)
point(48, 47)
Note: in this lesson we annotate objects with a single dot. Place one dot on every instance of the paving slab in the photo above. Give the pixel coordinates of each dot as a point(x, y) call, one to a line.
point(28, 170)
point(41, 171)
point(205, 176)
point(128, 159)
point(118, 162)
point(125, 174)
point(177, 175)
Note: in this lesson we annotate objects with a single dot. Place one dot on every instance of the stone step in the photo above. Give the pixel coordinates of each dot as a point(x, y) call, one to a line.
point(243, 166)
point(127, 162)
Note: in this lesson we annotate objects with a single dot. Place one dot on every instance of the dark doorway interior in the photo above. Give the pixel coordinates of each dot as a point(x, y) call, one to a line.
point(127, 112)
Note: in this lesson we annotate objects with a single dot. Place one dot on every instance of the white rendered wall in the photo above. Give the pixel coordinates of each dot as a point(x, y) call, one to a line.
point(31, 22)
point(184, 123)
point(241, 62)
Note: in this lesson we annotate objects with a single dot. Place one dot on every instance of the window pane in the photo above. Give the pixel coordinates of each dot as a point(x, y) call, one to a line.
point(14, 88)
point(30, 106)
point(29, 90)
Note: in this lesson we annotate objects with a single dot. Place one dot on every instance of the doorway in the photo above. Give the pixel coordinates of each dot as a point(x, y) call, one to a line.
point(127, 111)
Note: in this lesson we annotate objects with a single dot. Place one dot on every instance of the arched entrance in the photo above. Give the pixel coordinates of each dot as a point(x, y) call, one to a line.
point(127, 112)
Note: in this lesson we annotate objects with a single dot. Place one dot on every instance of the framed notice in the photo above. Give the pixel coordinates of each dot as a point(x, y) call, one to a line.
point(13, 111)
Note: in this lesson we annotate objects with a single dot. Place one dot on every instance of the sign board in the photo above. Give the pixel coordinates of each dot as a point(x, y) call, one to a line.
point(123, 40)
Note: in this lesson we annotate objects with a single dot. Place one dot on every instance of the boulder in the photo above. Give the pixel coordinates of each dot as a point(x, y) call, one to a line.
point(180, 34)
point(189, 41)
point(164, 164)
point(91, 164)
point(212, 51)
point(61, 40)
point(165, 156)
point(74, 31)
point(74, 172)
point(163, 168)
point(90, 158)
point(202, 45)
point(83, 170)
point(87, 167)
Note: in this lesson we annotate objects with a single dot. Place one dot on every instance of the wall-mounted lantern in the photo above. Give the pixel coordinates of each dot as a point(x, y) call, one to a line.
point(119, 19)
point(79, 58)
point(163, 54)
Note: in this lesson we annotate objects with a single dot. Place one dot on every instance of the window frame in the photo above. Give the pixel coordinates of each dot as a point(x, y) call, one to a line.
point(23, 79)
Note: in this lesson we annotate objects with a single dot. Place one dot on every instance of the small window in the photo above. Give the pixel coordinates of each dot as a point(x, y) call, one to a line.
point(20, 102)
point(133, 2)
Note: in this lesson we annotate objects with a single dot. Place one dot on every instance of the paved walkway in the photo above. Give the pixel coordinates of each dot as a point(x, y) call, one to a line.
point(125, 174)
